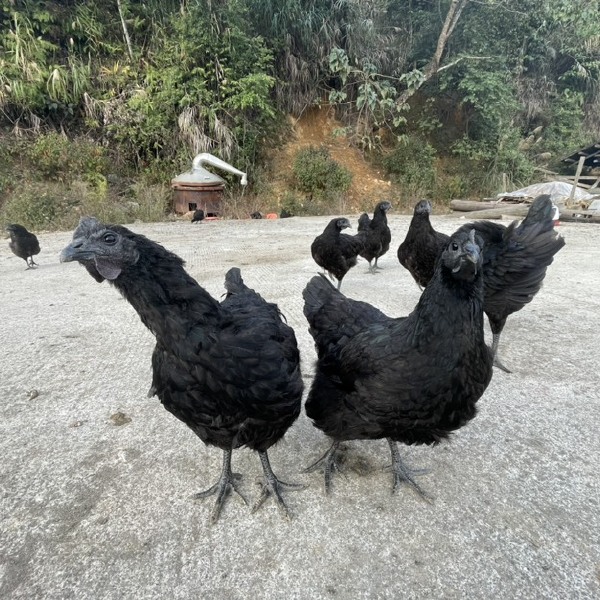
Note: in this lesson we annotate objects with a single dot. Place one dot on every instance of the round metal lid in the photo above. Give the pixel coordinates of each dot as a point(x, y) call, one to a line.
point(198, 176)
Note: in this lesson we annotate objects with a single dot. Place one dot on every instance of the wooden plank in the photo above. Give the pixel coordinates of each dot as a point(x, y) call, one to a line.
point(579, 216)
point(577, 174)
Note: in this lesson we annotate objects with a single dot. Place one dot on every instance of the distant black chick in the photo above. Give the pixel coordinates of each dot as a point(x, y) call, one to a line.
point(198, 216)
point(23, 243)
point(422, 245)
point(378, 234)
point(335, 251)
point(411, 380)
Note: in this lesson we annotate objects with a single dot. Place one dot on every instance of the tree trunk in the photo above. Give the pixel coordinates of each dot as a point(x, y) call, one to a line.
point(125, 31)
point(433, 67)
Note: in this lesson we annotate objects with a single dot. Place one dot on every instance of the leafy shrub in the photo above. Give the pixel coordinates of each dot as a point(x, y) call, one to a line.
point(33, 206)
point(54, 206)
point(412, 165)
point(292, 202)
point(495, 164)
point(317, 174)
point(57, 158)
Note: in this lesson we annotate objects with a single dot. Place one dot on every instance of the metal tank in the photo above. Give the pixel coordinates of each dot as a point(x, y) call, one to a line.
point(201, 189)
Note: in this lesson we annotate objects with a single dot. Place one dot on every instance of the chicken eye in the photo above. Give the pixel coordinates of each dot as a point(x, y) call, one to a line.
point(454, 246)
point(110, 239)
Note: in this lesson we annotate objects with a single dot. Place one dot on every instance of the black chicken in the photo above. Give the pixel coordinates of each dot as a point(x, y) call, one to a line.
point(378, 234)
point(515, 259)
point(411, 380)
point(23, 243)
point(230, 371)
point(198, 216)
point(422, 245)
point(335, 251)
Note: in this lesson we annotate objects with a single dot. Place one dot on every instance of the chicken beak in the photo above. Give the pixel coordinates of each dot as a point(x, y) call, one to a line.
point(74, 251)
point(472, 252)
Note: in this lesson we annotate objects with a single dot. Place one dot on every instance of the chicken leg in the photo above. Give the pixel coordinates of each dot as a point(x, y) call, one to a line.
point(404, 474)
point(497, 361)
point(223, 487)
point(273, 486)
point(329, 463)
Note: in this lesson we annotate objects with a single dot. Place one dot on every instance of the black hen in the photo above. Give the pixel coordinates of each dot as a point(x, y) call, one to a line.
point(198, 216)
point(23, 243)
point(422, 245)
point(230, 371)
point(337, 252)
point(411, 380)
point(515, 259)
point(378, 234)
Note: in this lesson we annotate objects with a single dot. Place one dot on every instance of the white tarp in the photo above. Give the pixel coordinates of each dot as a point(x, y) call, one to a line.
point(557, 190)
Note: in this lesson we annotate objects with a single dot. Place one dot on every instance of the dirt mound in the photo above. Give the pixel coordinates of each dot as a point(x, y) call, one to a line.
point(318, 127)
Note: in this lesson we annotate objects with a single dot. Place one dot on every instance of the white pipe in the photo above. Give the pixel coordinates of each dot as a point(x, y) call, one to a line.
point(209, 159)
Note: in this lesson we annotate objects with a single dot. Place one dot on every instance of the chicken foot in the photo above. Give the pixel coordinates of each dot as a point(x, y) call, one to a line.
point(223, 487)
point(273, 486)
point(329, 464)
point(404, 474)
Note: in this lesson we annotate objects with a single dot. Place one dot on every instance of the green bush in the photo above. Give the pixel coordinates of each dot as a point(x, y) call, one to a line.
point(55, 157)
point(292, 202)
point(317, 174)
point(412, 165)
point(33, 206)
point(54, 206)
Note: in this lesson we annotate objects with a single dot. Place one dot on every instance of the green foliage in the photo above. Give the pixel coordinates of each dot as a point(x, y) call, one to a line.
point(497, 164)
point(564, 124)
point(33, 206)
point(219, 76)
point(375, 97)
point(59, 159)
point(317, 174)
point(412, 165)
point(55, 205)
point(293, 203)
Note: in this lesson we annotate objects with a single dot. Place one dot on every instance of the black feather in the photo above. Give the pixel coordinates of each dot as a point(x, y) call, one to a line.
point(515, 259)
point(198, 216)
point(422, 245)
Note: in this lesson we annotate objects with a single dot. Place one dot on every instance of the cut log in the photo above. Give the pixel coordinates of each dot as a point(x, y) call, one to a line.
point(470, 205)
point(508, 210)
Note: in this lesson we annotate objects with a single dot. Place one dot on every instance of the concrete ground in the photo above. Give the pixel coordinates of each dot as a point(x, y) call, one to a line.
point(96, 479)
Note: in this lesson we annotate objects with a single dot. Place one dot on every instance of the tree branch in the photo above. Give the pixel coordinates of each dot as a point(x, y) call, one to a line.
point(125, 32)
point(433, 67)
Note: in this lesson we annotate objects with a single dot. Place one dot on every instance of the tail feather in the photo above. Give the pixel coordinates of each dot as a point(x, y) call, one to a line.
point(234, 284)
point(539, 212)
point(363, 222)
point(332, 316)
